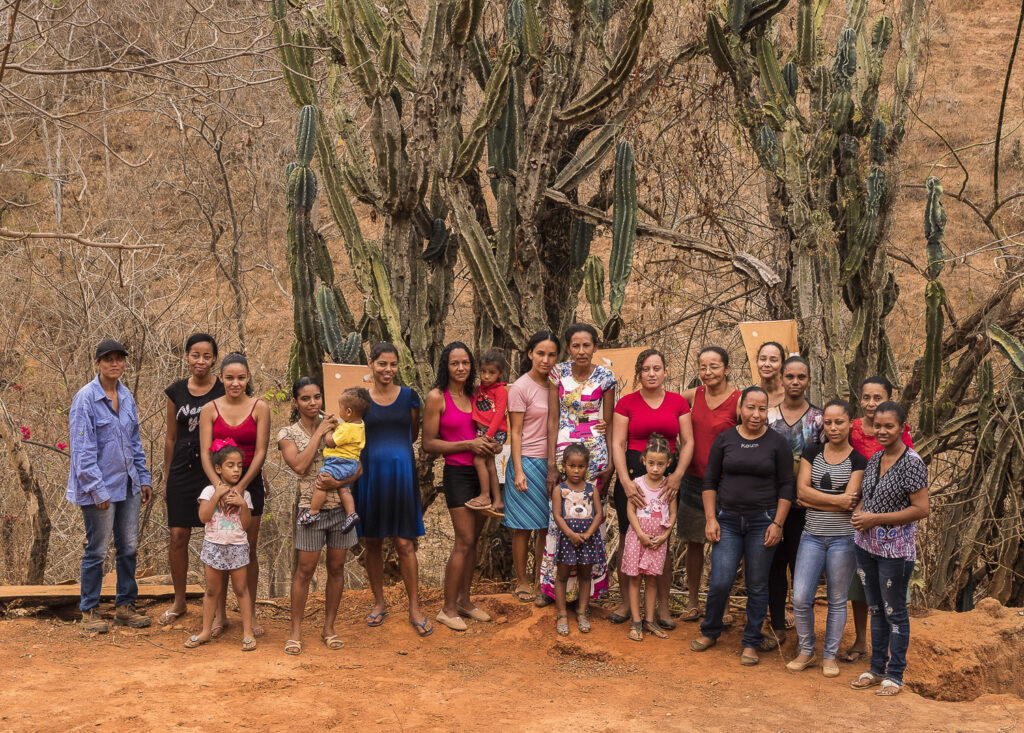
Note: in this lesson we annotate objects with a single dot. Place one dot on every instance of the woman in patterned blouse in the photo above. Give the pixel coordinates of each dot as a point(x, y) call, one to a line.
point(895, 497)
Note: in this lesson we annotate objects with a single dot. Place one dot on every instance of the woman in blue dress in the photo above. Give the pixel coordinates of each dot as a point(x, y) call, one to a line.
point(388, 495)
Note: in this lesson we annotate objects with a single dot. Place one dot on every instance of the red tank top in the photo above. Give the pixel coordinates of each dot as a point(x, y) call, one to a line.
point(244, 434)
point(455, 426)
point(707, 424)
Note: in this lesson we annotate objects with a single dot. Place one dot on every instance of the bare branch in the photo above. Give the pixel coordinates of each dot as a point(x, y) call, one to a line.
point(13, 235)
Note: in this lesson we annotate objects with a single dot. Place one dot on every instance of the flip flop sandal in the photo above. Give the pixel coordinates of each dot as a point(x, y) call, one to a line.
point(699, 646)
point(423, 629)
point(169, 617)
point(194, 641)
point(851, 656)
point(562, 626)
point(651, 627)
point(476, 507)
point(889, 689)
point(332, 642)
point(865, 681)
point(376, 619)
point(636, 631)
point(583, 623)
point(691, 614)
point(258, 631)
point(293, 647)
point(617, 618)
point(248, 645)
point(492, 512)
point(218, 631)
point(524, 595)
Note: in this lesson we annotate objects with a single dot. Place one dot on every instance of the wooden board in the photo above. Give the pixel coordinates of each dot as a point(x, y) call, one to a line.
point(71, 591)
point(755, 333)
point(622, 362)
point(338, 378)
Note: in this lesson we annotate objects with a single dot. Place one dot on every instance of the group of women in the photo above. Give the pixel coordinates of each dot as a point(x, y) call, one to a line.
point(767, 478)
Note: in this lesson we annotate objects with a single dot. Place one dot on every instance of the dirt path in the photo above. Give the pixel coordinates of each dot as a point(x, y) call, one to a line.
point(515, 672)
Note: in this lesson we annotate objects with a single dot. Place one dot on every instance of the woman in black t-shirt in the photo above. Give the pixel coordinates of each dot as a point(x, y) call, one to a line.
point(183, 469)
point(748, 490)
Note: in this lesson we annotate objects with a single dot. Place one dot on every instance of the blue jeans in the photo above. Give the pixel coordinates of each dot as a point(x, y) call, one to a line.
point(837, 557)
point(886, 581)
point(121, 521)
point(742, 539)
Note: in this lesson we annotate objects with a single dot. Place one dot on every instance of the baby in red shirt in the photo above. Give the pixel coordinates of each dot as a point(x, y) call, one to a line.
point(489, 414)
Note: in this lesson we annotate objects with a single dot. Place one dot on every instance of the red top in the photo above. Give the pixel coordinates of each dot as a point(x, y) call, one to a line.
point(644, 419)
point(707, 424)
point(489, 408)
point(868, 445)
point(244, 434)
point(455, 426)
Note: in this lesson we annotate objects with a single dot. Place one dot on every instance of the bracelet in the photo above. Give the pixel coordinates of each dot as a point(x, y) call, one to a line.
point(777, 524)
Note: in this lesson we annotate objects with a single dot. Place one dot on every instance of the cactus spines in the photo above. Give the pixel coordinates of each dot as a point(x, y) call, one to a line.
point(881, 34)
point(624, 215)
point(390, 54)
point(933, 323)
point(588, 157)
point(762, 12)
point(878, 132)
point(438, 242)
point(934, 226)
point(613, 81)
point(351, 350)
point(495, 100)
point(789, 73)
point(845, 65)
point(766, 145)
point(305, 137)
point(739, 12)
point(806, 40)
point(532, 37)
point(718, 46)
point(581, 234)
point(515, 17)
point(465, 20)
point(327, 312)
point(771, 74)
point(593, 281)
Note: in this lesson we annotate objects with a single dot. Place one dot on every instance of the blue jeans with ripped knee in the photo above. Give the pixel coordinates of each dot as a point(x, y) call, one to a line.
point(886, 581)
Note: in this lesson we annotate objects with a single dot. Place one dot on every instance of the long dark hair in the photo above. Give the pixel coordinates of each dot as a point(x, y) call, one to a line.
point(527, 363)
point(441, 380)
point(235, 358)
point(644, 356)
point(297, 386)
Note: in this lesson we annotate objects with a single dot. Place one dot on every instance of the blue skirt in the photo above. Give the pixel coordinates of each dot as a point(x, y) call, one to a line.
point(527, 509)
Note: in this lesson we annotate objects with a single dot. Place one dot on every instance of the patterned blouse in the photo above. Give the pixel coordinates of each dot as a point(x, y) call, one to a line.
point(580, 406)
point(891, 493)
point(805, 432)
point(304, 483)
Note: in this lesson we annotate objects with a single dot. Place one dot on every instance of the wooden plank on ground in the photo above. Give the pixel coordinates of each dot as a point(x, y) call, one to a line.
point(58, 593)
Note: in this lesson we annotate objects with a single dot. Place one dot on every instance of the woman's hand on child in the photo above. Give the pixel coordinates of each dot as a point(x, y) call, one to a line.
point(671, 488)
point(633, 494)
point(483, 446)
point(600, 427)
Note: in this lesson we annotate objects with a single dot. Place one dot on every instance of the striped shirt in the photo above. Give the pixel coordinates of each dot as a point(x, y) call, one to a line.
point(830, 478)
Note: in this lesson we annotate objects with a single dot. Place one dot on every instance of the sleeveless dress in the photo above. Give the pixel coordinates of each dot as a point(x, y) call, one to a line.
point(244, 434)
point(578, 513)
point(460, 480)
point(387, 494)
point(185, 477)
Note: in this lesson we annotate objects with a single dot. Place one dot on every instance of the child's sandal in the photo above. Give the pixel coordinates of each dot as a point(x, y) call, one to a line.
point(652, 627)
point(636, 631)
point(562, 626)
point(248, 645)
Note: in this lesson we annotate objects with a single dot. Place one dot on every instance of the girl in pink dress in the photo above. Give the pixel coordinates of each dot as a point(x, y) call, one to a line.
point(646, 541)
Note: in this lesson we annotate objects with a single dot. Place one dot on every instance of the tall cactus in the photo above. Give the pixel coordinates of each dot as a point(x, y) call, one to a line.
point(624, 213)
point(934, 295)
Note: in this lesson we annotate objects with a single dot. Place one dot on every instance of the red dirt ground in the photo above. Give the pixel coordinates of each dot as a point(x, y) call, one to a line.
point(515, 672)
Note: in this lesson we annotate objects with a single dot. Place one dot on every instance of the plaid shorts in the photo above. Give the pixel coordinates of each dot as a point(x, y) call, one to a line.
point(313, 537)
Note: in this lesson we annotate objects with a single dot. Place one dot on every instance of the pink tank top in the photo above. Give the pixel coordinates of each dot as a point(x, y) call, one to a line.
point(244, 434)
point(455, 426)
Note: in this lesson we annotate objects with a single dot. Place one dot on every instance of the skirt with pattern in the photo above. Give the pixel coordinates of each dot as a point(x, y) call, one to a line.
point(224, 557)
point(591, 552)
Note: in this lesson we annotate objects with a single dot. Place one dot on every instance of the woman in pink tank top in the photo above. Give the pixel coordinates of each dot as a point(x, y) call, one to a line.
point(245, 420)
point(448, 429)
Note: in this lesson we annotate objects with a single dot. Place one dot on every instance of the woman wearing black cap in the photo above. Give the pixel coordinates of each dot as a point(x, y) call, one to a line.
point(185, 478)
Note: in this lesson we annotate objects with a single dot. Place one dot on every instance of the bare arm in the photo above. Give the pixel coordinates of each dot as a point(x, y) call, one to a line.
point(620, 431)
point(414, 419)
point(553, 410)
point(918, 509)
point(301, 461)
point(598, 518)
point(206, 417)
point(432, 442)
point(262, 416)
point(515, 439)
point(170, 437)
point(684, 457)
point(556, 513)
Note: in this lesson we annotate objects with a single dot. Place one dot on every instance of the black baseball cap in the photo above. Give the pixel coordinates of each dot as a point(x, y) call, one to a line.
point(110, 346)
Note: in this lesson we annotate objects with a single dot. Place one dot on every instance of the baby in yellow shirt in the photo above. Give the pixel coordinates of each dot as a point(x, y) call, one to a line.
point(341, 456)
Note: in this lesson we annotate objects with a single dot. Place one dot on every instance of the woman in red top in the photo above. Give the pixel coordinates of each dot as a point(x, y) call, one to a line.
point(873, 392)
point(448, 430)
point(715, 409)
point(246, 420)
point(651, 409)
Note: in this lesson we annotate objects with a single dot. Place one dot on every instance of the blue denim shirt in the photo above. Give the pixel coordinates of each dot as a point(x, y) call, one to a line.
point(106, 450)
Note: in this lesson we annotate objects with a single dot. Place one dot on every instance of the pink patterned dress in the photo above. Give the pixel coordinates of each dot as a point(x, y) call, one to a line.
point(653, 520)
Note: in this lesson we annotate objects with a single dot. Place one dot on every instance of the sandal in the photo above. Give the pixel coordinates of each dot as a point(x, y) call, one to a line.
point(652, 627)
point(583, 622)
point(476, 507)
point(332, 642)
point(293, 647)
point(491, 511)
point(865, 681)
point(617, 618)
point(376, 619)
point(218, 631)
point(691, 614)
point(668, 624)
point(562, 626)
point(257, 630)
point(194, 641)
point(169, 617)
point(423, 629)
point(700, 646)
point(524, 595)
point(248, 645)
point(889, 688)
point(636, 631)
point(852, 656)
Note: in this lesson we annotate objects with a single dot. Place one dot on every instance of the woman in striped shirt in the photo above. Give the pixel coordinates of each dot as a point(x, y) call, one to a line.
point(828, 484)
